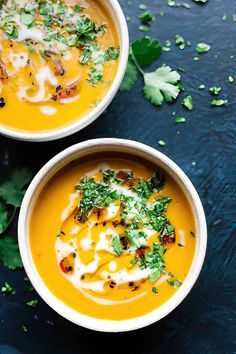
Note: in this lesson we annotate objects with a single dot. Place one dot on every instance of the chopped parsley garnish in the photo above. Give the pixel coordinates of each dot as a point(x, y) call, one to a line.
point(138, 214)
point(144, 28)
point(108, 175)
point(188, 102)
point(161, 142)
point(145, 188)
point(219, 102)
point(179, 41)
point(24, 328)
point(202, 48)
point(94, 76)
point(147, 17)
point(95, 195)
point(175, 283)
point(215, 90)
point(154, 260)
point(142, 7)
point(7, 289)
point(180, 120)
point(201, 87)
point(32, 303)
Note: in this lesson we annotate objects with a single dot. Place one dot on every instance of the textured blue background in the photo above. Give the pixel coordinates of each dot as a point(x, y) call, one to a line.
point(205, 322)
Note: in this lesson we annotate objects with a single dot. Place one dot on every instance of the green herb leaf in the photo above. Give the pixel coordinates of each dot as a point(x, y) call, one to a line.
point(161, 142)
point(147, 17)
point(215, 90)
point(32, 303)
point(144, 28)
point(7, 289)
point(161, 85)
point(202, 48)
point(179, 41)
point(180, 120)
point(188, 102)
point(131, 76)
point(26, 18)
point(108, 175)
point(85, 57)
point(154, 290)
point(146, 50)
point(9, 252)
point(219, 102)
point(112, 53)
point(13, 190)
point(155, 274)
point(116, 245)
point(24, 328)
point(3, 217)
point(95, 194)
point(175, 283)
point(94, 76)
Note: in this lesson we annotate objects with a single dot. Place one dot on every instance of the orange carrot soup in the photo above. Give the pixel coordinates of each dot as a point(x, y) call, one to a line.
point(57, 61)
point(112, 237)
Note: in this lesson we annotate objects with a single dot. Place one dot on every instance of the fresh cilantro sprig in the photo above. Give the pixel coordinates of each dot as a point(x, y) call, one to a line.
point(9, 252)
point(160, 85)
point(12, 191)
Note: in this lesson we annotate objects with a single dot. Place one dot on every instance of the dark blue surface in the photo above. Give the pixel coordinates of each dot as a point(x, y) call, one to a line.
point(205, 322)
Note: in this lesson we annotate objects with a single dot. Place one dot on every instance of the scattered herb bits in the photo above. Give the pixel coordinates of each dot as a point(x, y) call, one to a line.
point(161, 142)
point(180, 120)
point(219, 102)
point(7, 289)
point(215, 90)
point(188, 102)
point(202, 48)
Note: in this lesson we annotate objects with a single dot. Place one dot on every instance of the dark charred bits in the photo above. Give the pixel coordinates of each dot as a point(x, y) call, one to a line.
point(2, 102)
point(127, 178)
point(124, 242)
point(112, 284)
point(135, 288)
point(115, 223)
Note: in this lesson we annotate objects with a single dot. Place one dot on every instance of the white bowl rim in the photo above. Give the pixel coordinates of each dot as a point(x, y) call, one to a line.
point(65, 310)
point(95, 113)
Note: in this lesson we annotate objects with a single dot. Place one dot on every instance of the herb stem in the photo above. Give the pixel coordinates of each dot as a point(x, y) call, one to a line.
point(136, 63)
point(10, 220)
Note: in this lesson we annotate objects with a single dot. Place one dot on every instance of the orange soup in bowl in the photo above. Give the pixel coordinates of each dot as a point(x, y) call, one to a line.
point(58, 59)
point(112, 237)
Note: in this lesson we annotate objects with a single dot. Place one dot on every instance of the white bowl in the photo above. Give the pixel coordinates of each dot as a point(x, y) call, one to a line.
point(116, 12)
point(139, 150)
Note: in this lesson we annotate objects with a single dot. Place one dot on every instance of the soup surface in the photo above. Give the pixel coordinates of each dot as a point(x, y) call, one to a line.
point(57, 61)
point(111, 237)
